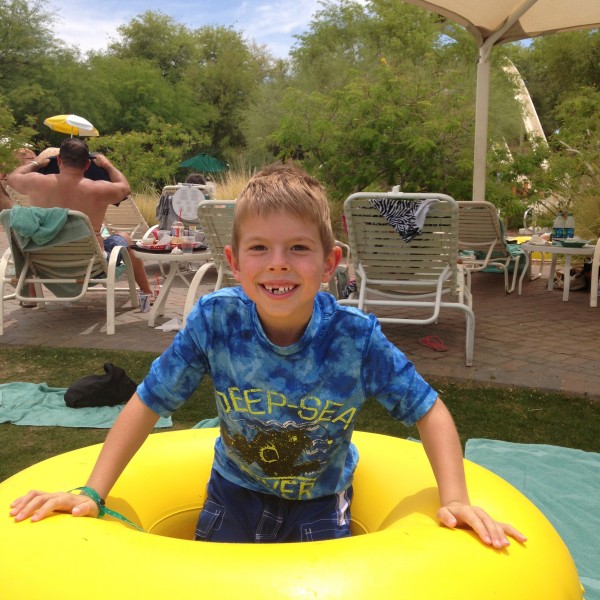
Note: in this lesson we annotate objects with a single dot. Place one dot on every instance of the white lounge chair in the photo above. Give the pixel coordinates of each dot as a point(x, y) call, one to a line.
point(216, 220)
point(480, 231)
point(594, 276)
point(422, 275)
point(126, 218)
point(70, 265)
point(180, 203)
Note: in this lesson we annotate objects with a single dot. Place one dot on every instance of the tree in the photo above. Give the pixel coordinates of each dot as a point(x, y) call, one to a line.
point(26, 41)
point(572, 175)
point(227, 76)
point(379, 97)
point(264, 115)
point(12, 137)
point(149, 157)
point(567, 102)
point(159, 39)
point(212, 72)
point(129, 91)
point(544, 68)
point(28, 51)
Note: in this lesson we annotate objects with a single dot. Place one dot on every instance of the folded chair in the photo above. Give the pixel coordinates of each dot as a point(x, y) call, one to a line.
point(481, 234)
point(216, 220)
point(423, 274)
point(68, 261)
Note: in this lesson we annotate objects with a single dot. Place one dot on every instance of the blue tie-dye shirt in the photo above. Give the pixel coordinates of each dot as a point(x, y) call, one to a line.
point(287, 413)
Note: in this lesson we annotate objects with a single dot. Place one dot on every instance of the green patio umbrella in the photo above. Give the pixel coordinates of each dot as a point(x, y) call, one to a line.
point(205, 164)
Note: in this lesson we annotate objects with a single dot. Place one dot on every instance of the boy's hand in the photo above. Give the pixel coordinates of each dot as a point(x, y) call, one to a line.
point(39, 505)
point(491, 532)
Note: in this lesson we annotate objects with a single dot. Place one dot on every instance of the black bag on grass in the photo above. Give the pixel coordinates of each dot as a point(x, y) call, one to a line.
point(112, 388)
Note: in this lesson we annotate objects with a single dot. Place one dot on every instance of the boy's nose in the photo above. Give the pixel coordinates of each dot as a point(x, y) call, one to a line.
point(279, 261)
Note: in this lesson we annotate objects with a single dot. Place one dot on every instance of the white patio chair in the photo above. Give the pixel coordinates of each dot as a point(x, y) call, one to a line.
point(180, 202)
point(71, 265)
point(126, 218)
point(216, 220)
point(423, 275)
point(480, 231)
point(594, 276)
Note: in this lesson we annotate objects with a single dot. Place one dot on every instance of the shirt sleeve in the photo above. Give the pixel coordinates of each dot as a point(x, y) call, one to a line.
point(392, 380)
point(175, 374)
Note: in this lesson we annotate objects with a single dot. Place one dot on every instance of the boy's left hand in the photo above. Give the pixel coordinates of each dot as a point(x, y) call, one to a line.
point(491, 532)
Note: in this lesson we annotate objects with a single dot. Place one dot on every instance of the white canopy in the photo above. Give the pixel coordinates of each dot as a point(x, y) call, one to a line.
point(494, 22)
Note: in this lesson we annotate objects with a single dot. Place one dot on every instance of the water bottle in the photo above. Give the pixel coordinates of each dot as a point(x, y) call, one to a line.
point(558, 229)
point(570, 226)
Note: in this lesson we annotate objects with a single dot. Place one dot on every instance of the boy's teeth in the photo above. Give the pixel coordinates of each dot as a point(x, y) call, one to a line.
point(279, 290)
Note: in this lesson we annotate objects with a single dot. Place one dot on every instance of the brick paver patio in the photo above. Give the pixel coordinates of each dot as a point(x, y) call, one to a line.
point(535, 340)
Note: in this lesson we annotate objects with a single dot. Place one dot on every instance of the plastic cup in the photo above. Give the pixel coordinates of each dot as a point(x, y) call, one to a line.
point(144, 302)
point(187, 243)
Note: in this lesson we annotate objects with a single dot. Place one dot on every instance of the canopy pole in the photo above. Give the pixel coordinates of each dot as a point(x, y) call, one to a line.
point(482, 101)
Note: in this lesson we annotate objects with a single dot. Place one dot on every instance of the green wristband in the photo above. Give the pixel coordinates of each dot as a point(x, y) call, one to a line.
point(101, 504)
point(94, 495)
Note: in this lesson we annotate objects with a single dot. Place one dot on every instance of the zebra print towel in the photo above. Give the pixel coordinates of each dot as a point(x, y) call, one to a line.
point(405, 216)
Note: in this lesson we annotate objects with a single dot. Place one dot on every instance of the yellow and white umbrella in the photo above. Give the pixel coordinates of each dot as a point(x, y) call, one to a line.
point(71, 124)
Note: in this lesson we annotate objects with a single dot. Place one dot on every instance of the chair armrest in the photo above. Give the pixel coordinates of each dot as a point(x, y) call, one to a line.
point(190, 299)
point(594, 276)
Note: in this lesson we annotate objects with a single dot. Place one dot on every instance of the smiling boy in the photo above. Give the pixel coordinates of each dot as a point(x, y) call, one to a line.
point(291, 369)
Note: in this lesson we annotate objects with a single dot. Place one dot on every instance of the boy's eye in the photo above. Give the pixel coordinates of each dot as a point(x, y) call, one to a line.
point(299, 247)
point(258, 248)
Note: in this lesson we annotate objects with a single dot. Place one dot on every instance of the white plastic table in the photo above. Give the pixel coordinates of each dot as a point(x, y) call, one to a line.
point(555, 251)
point(174, 261)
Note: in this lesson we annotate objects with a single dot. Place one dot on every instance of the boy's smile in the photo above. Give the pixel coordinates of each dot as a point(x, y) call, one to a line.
point(281, 266)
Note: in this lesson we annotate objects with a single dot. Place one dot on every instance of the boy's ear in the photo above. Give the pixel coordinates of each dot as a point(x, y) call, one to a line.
point(233, 262)
point(332, 260)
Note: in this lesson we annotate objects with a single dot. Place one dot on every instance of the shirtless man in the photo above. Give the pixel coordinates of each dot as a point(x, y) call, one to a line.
point(70, 189)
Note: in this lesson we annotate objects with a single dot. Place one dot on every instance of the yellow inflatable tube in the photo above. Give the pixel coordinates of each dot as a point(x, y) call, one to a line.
point(399, 550)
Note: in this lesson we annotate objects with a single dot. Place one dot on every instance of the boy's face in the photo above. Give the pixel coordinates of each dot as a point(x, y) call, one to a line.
point(281, 266)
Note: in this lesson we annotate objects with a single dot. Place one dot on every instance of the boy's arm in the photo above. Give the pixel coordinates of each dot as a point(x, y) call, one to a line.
point(131, 428)
point(442, 445)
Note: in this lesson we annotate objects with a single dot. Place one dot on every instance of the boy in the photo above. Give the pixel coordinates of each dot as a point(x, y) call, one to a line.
point(291, 369)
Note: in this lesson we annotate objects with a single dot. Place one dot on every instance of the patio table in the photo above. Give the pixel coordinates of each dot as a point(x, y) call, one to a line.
point(175, 263)
point(555, 251)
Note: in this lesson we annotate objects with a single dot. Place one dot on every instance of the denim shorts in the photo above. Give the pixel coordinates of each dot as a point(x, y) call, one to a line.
point(232, 513)
point(111, 242)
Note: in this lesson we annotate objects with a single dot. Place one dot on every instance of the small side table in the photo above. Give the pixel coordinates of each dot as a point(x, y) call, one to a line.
point(555, 251)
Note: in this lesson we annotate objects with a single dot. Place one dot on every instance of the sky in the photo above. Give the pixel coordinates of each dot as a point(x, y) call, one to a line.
point(92, 25)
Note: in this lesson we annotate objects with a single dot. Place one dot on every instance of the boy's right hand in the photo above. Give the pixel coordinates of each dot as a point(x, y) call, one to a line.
point(39, 505)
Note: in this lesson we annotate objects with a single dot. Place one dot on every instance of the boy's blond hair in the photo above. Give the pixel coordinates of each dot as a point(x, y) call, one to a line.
point(289, 189)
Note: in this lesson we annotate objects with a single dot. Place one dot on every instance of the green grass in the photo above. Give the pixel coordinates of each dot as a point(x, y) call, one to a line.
point(500, 413)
